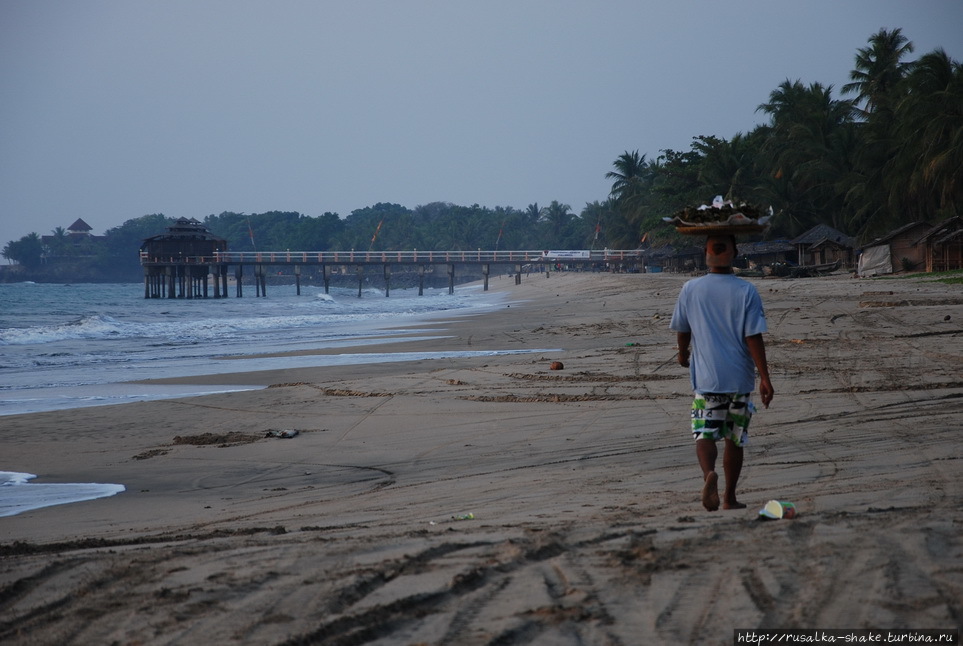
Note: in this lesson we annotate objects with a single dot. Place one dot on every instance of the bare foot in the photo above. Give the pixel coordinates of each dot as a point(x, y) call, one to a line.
point(710, 492)
point(735, 504)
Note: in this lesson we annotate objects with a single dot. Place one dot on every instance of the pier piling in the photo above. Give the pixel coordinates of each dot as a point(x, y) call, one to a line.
point(186, 275)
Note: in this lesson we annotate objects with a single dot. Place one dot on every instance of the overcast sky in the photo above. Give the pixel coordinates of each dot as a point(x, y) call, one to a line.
point(114, 109)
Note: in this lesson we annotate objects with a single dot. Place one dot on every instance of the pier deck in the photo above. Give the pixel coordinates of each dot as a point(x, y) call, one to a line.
point(188, 276)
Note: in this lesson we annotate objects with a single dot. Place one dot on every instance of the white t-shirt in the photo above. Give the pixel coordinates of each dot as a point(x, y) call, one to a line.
point(720, 311)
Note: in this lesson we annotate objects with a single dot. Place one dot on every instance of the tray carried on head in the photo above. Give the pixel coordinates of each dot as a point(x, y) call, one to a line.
point(720, 229)
point(720, 219)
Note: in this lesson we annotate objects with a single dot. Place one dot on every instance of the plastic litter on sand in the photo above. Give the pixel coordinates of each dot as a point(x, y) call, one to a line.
point(776, 509)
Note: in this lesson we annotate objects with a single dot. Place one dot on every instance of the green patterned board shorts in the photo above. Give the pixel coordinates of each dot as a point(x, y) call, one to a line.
point(717, 416)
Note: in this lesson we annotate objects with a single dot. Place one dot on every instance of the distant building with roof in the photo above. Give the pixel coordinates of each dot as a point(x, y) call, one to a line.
point(166, 275)
point(824, 245)
point(71, 241)
point(79, 227)
point(942, 245)
point(187, 237)
point(767, 252)
point(897, 250)
point(671, 258)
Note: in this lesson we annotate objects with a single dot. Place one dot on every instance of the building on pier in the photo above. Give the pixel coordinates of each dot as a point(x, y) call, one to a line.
point(177, 267)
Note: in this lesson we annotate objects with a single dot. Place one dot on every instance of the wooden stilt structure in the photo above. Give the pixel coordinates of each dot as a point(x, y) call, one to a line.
point(182, 262)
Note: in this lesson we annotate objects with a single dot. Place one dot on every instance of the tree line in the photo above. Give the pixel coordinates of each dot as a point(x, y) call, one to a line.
point(888, 154)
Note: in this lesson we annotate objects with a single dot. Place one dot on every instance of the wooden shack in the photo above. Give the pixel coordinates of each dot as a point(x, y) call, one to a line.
point(752, 255)
point(822, 245)
point(896, 251)
point(942, 245)
point(168, 275)
point(678, 259)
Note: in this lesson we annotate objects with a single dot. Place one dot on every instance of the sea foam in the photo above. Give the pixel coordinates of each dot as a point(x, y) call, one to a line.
point(18, 494)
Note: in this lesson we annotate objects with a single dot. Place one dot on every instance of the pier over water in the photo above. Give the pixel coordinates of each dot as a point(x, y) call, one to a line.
point(184, 276)
point(189, 262)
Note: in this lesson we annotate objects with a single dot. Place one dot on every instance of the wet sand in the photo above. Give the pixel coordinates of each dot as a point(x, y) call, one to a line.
point(587, 525)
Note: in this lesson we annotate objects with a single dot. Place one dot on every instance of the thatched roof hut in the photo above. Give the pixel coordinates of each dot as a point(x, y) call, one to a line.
point(186, 238)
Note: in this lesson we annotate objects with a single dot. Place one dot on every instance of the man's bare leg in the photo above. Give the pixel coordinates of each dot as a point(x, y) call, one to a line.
point(707, 453)
point(732, 466)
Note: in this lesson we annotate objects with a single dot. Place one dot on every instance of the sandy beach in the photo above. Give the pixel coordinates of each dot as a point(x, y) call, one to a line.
point(586, 525)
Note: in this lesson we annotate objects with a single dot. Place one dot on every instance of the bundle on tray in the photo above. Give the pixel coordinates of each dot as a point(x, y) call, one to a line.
point(722, 217)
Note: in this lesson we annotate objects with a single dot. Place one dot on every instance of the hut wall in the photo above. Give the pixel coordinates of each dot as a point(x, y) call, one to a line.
point(946, 256)
point(827, 253)
point(904, 247)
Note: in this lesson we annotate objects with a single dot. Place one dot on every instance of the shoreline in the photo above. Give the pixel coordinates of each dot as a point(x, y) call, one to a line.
point(582, 483)
point(99, 388)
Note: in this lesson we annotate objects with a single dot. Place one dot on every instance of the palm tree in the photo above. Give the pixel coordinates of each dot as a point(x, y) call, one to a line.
point(607, 228)
point(879, 70)
point(929, 129)
point(675, 180)
point(730, 166)
point(59, 242)
point(632, 186)
point(590, 220)
point(515, 229)
point(630, 169)
point(877, 84)
point(472, 225)
point(532, 216)
point(28, 251)
point(810, 145)
point(558, 220)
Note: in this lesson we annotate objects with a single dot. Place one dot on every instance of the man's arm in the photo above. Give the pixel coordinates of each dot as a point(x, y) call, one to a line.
point(683, 339)
point(757, 350)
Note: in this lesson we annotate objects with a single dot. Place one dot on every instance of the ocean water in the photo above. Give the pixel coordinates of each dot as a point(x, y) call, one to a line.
point(72, 346)
point(18, 495)
point(69, 346)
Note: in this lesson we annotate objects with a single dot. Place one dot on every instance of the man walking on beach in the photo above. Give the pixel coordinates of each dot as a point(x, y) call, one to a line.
point(720, 316)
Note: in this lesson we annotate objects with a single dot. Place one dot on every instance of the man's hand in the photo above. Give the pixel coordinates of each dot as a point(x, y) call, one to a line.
point(683, 339)
point(757, 349)
point(766, 391)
